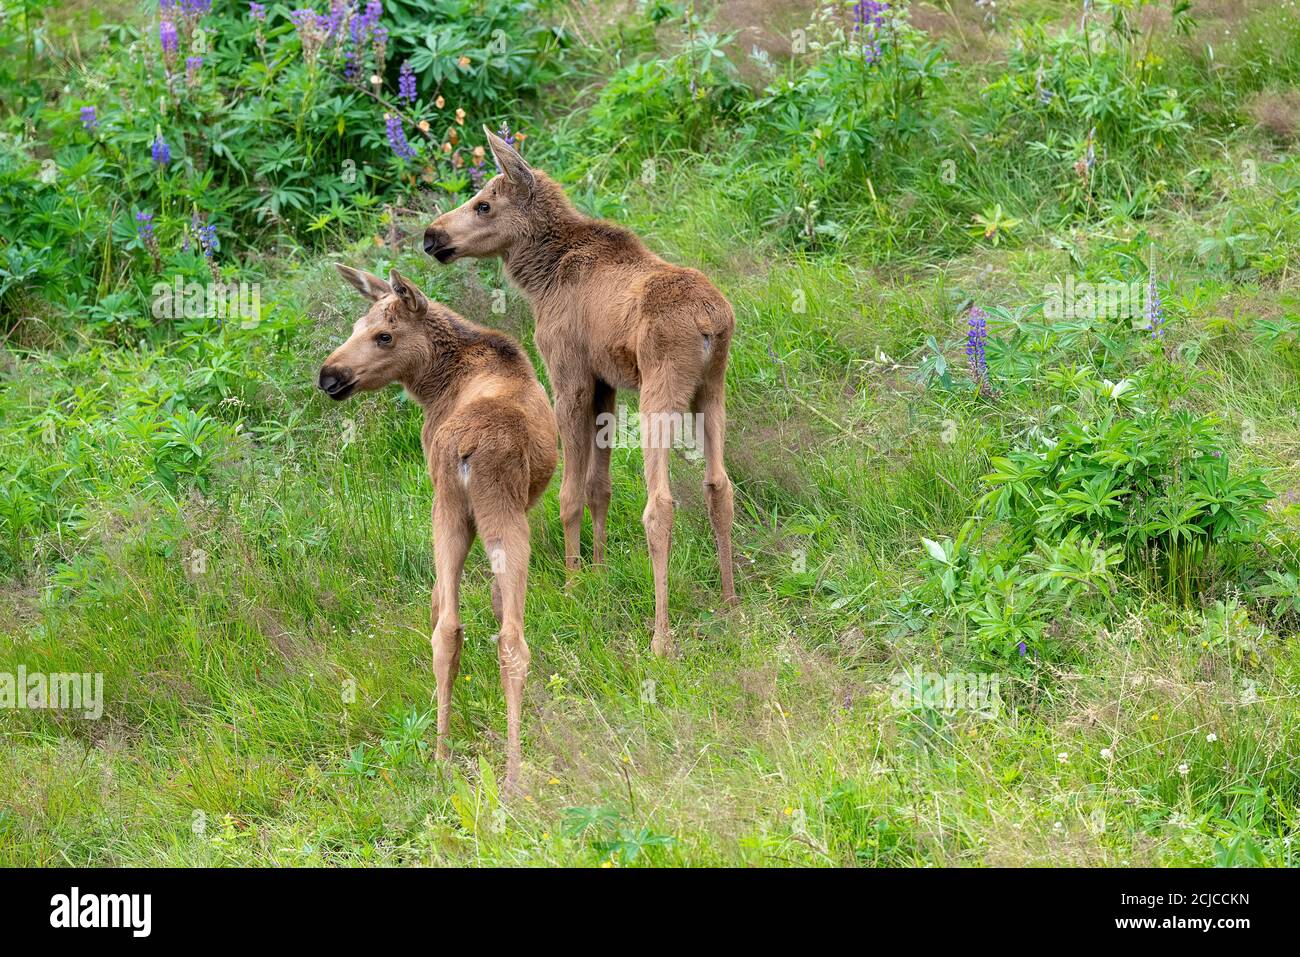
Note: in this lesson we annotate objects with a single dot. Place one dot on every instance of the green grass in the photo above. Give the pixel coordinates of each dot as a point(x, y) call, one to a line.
point(261, 621)
point(771, 740)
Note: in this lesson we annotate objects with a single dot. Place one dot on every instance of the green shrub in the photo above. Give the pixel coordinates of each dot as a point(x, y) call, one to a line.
point(673, 103)
point(1087, 113)
point(219, 129)
point(1156, 484)
point(1111, 477)
point(822, 133)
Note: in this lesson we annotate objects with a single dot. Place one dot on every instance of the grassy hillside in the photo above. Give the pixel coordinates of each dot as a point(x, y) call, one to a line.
point(1022, 592)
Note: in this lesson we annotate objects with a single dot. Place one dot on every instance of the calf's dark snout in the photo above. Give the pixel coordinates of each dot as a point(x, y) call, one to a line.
point(434, 238)
point(335, 382)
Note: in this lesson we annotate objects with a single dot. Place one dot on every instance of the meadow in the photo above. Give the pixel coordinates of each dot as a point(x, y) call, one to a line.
point(1013, 426)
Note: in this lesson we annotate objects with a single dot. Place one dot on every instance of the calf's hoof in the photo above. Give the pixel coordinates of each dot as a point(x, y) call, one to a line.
point(510, 787)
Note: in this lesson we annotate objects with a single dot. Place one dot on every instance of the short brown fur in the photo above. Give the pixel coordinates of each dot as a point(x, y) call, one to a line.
point(489, 441)
point(610, 315)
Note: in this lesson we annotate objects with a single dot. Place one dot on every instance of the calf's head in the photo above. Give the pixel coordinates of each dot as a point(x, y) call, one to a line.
point(490, 223)
point(388, 344)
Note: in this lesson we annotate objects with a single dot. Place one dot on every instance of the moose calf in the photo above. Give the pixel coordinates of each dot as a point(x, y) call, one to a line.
point(489, 442)
point(609, 315)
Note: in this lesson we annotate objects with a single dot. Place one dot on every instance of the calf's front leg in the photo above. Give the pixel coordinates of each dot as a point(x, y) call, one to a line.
point(573, 411)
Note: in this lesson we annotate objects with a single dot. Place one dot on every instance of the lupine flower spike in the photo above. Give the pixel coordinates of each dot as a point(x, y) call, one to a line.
point(257, 11)
point(170, 41)
point(868, 17)
point(161, 152)
point(144, 229)
point(1155, 314)
point(976, 336)
point(406, 83)
point(397, 137)
point(192, 10)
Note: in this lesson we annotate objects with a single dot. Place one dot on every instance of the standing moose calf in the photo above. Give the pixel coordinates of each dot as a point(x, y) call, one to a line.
point(489, 441)
point(609, 315)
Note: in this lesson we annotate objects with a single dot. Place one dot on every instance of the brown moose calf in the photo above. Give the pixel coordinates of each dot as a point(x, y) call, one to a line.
point(610, 315)
point(489, 440)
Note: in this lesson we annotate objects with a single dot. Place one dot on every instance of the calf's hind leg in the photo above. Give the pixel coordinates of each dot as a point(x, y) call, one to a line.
point(598, 484)
point(663, 399)
point(711, 407)
point(505, 537)
point(452, 534)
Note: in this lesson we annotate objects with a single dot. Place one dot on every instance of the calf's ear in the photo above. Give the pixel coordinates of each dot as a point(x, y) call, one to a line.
point(368, 284)
point(412, 299)
point(510, 163)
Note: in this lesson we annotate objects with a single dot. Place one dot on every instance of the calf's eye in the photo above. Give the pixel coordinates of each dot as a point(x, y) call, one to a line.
point(482, 208)
point(383, 338)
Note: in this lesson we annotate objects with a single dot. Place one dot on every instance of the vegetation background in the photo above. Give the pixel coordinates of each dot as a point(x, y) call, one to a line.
point(944, 480)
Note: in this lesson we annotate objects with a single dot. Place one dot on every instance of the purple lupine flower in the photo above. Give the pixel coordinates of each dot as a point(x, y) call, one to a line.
point(144, 229)
point(1155, 314)
point(332, 23)
point(397, 137)
point(204, 235)
point(406, 82)
point(976, 336)
point(476, 175)
point(257, 10)
point(868, 16)
point(1022, 648)
point(363, 25)
point(168, 36)
point(208, 240)
point(162, 154)
point(196, 8)
point(350, 68)
point(89, 119)
point(192, 66)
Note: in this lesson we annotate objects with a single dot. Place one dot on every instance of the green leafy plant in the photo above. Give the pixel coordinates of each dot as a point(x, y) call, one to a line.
point(606, 831)
point(1158, 485)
